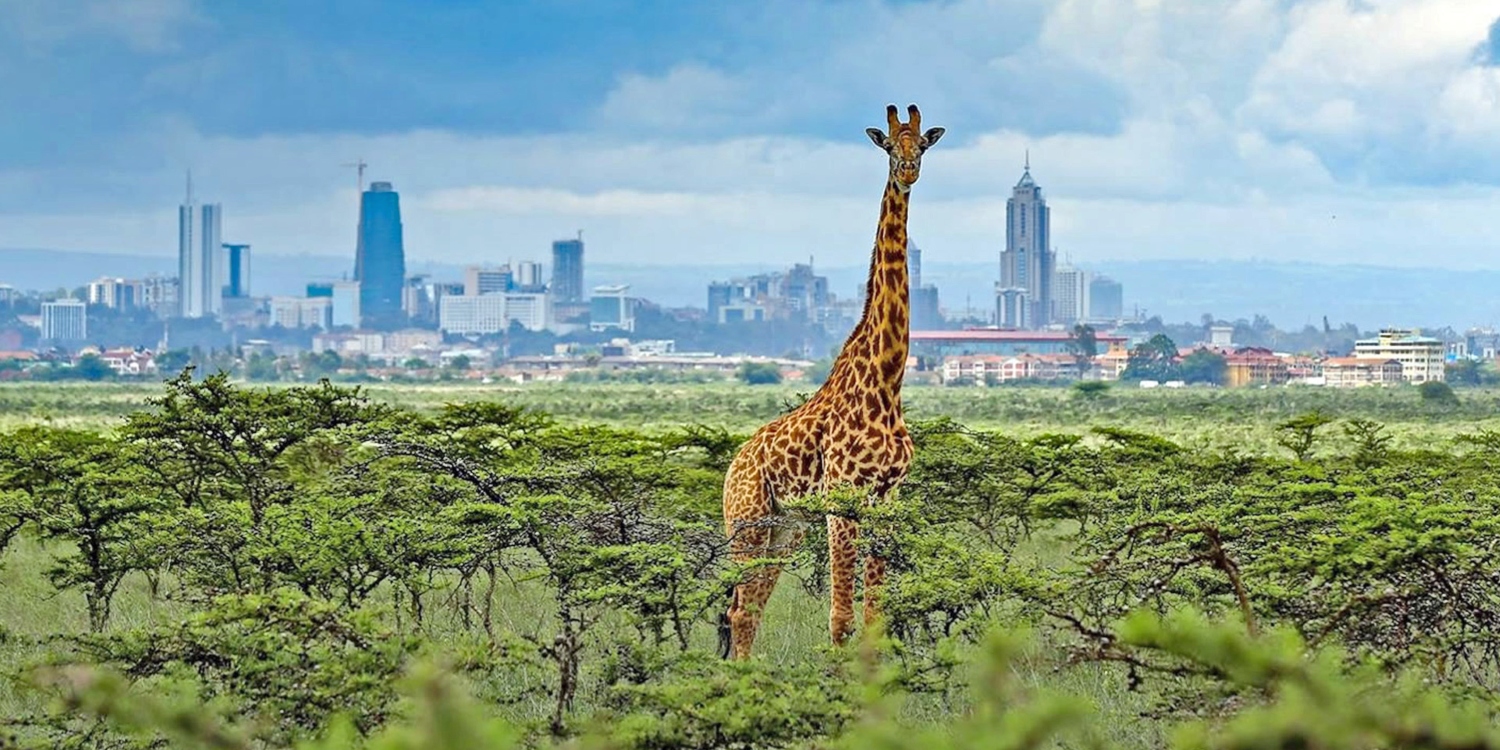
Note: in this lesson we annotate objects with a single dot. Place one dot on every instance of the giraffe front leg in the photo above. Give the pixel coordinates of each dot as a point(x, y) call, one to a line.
point(842, 534)
point(874, 580)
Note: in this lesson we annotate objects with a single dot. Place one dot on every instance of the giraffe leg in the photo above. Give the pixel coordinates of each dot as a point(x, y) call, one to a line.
point(745, 611)
point(874, 580)
point(842, 533)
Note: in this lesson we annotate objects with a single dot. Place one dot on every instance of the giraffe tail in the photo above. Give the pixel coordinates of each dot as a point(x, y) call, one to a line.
point(726, 631)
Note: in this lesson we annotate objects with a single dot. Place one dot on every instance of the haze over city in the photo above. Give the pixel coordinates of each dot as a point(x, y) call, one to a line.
point(1323, 131)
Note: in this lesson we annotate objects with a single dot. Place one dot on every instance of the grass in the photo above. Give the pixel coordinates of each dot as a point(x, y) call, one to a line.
point(1244, 419)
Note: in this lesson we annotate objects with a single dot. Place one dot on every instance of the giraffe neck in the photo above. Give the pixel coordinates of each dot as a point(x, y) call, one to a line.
point(874, 356)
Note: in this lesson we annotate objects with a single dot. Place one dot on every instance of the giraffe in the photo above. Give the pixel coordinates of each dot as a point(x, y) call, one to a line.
point(850, 433)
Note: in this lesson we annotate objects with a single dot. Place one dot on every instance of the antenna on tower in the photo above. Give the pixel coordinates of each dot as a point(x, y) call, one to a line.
point(580, 235)
point(1028, 160)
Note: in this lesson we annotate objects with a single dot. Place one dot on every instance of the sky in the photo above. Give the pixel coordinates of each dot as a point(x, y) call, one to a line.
point(1334, 131)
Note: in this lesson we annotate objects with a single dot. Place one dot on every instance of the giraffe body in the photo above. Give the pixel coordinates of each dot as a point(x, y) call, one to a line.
point(850, 433)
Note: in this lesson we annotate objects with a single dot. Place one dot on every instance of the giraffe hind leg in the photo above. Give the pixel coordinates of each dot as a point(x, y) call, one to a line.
point(842, 534)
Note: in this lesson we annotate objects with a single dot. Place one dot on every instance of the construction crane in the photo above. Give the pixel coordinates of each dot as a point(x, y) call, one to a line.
point(359, 167)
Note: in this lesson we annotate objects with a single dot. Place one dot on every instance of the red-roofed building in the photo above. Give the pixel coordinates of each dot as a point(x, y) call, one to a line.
point(1253, 365)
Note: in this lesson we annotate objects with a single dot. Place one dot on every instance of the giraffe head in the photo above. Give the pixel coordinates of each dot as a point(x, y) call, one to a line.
point(905, 143)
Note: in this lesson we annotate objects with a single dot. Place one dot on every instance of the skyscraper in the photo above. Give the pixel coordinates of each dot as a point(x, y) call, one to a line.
point(567, 271)
point(200, 258)
point(1027, 262)
point(239, 271)
point(1070, 292)
point(380, 258)
point(1106, 299)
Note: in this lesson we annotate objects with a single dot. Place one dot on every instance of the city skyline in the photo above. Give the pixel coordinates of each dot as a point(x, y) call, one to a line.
point(671, 133)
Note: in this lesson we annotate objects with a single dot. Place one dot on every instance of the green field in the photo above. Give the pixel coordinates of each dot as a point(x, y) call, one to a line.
point(244, 567)
point(1242, 418)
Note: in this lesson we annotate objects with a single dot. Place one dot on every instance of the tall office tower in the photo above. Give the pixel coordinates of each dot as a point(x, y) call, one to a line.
point(380, 258)
point(485, 280)
point(239, 271)
point(1106, 299)
point(1027, 261)
point(200, 258)
point(567, 271)
point(1070, 295)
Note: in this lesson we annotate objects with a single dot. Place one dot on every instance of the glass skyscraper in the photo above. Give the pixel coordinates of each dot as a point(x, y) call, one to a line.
point(239, 271)
point(380, 258)
point(567, 271)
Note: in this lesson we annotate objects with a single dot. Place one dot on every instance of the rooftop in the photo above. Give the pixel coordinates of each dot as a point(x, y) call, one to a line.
point(998, 335)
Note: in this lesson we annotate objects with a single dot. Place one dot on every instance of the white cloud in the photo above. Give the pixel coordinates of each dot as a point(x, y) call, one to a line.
point(1244, 128)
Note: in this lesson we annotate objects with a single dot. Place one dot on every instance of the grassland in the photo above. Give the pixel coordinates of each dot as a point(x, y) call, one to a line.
point(1245, 419)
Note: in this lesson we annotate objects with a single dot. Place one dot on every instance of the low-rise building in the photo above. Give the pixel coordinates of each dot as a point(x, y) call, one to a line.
point(1253, 365)
point(126, 361)
point(1353, 372)
point(999, 368)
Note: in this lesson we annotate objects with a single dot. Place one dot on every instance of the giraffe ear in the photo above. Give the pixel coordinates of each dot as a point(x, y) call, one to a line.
point(878, 136)
point(932, 136)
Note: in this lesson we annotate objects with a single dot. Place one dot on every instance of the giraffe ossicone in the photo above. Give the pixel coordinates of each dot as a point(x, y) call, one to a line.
point(850, 434)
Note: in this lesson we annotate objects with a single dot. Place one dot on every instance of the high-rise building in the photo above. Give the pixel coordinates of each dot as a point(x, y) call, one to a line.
point(65, 320)
point(486, 280)
point(416, 300)
point(380, 258)
point(115, 293)
point(200, 258)
point(1106, 299)
point(567, 271)
point(1070, 295)
point(529, 277)
point(611, 308)
point(913, 263)
point(344, 301)
point(238, 285)
point(161, 294)
point(492, 313)
point(925, 313)
point(1027, 261)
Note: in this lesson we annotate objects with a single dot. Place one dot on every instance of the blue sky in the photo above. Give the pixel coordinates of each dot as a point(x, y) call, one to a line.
point(670, 132)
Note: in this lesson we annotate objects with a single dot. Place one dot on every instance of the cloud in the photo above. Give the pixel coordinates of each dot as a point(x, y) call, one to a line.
point(148, 26)
point(1158, 128)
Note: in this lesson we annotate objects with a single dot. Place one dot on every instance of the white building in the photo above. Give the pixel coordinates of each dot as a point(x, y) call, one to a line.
point(493, 313)
point(201, 264)
point(116, 293)
point(1070, 295)
point(609, 307)
point(302, 312)
point(65, 320)
point(1421, 357)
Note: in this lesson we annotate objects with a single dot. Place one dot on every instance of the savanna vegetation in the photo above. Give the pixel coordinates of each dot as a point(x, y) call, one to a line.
point(206, 564)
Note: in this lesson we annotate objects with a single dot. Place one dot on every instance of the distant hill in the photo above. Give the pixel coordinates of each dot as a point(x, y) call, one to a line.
point(1290, 294)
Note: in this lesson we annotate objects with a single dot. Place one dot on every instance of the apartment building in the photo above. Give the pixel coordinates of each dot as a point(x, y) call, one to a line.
point(1421, 357)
